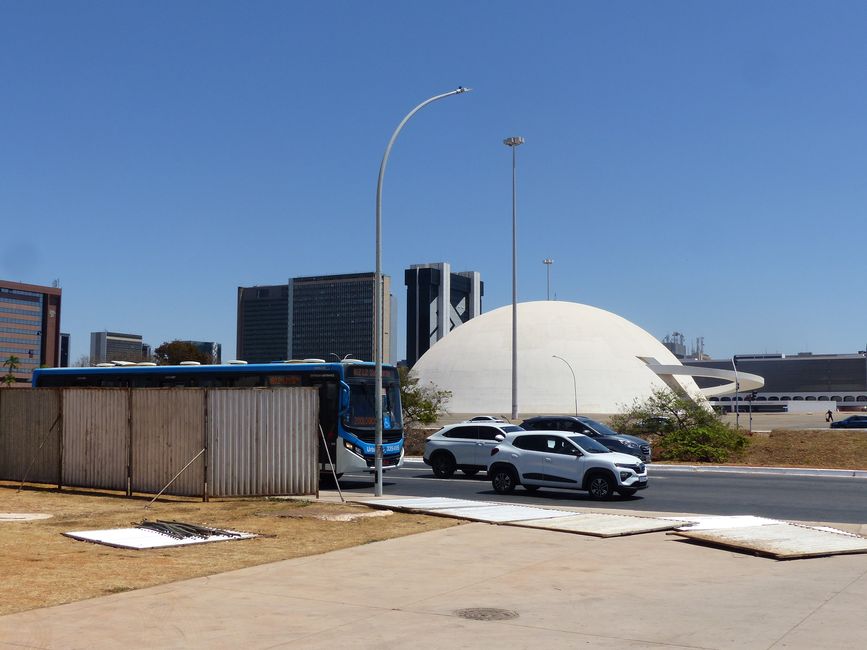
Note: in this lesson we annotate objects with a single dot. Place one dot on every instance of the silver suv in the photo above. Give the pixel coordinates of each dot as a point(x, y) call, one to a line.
point(572, 461)
point(465, 446)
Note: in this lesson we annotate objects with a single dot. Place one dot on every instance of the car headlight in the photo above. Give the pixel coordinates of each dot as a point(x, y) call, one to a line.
point(631, 445)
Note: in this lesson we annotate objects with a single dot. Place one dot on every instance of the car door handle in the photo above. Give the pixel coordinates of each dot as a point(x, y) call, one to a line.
point(547, 460)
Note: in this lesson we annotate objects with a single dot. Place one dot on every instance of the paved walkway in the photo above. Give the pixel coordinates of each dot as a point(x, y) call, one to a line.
point(567, 590)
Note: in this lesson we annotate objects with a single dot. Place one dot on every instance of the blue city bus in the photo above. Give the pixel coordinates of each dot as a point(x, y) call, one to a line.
point(347, 410)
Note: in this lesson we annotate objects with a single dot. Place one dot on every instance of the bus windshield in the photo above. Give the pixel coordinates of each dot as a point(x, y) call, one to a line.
point(362, 407)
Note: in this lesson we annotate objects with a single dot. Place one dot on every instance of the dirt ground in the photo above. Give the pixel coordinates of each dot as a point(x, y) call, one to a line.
point(41, 567)
point(822, 448)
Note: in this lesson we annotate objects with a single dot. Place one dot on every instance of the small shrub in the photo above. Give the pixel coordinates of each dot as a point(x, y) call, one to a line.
point(705, 444)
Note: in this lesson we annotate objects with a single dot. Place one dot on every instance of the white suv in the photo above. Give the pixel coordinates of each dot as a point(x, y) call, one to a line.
point(563, 460)
point(465, 446)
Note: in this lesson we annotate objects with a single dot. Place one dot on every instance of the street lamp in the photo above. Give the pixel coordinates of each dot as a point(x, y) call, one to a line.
point(377, 329)
point(737, 389)
point(574, 382)
point(548, 262)
point(513, 142)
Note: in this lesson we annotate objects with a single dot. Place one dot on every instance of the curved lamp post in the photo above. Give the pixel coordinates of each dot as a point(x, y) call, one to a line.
point(378, 298)
point(574, 382)
point(737, 390)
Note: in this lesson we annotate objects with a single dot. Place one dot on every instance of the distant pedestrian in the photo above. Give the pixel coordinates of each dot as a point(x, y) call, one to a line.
point(829, 417)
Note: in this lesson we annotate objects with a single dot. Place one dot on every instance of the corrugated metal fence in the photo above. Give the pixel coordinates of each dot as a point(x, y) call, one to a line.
point(228, 442)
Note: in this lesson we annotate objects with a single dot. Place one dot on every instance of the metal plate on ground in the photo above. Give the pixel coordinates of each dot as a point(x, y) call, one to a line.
point(502, 513)
point(780, 540)
point(713, 522)
point(421, 504)
point(22, 516)
point(138, 538)
point(603, 525)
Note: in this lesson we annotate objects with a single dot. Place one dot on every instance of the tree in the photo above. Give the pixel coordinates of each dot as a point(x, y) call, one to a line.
point(172, 353)
point(421, 404)
point(685, 429)
point(12, 363)
point(82, 362)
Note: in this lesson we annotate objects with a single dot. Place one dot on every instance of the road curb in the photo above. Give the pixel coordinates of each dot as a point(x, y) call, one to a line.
point(417, 461)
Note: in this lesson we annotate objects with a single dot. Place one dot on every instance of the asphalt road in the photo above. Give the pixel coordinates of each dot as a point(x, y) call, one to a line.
point(792, 498)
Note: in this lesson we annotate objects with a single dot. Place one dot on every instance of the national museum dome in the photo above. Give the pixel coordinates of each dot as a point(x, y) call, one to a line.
point(608, 354)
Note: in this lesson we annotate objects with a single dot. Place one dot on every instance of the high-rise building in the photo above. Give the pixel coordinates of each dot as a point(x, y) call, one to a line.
point(263, 317)
point(212, 349)
point(437, 301)
point(29, 327)
point(115, 346)
point(63, 360)
point(319, 317)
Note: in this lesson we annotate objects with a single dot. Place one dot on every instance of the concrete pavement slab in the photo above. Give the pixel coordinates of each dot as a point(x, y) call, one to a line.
point(638, 591)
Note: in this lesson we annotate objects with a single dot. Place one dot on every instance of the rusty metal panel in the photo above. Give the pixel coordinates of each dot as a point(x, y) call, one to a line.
point(168, 431)
point(232, 427)
point(96, 437)
point(289, 425)
point(30, 432)
point(263, 441)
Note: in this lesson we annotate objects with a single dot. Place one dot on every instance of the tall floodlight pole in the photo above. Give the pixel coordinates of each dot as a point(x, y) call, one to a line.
point(737, 389)
point(548, 262)
point(377, 330)
point(513, 142)
point(574, 382)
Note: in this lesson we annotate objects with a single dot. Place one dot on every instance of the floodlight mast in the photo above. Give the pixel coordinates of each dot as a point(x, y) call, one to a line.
point(377, 330)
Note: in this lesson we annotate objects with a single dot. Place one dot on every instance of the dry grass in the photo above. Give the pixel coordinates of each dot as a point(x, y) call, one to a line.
point(41, 567)
point(822, 448)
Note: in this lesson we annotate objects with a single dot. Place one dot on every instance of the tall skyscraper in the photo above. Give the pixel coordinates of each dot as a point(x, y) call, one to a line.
point(106, 347)
point(437, 301)
point(211, 348)
point(263, 317)
point(29, 327)
point(318, 317)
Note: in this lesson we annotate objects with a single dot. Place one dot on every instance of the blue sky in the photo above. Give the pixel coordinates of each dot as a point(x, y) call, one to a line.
point(691, 166)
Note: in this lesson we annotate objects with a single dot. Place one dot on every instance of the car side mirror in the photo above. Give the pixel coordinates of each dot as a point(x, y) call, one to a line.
point(499, 437)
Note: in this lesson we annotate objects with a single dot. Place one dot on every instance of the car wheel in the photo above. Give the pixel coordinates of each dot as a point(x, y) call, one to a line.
point(443, 464)
point(627, 492)
point(531, 488)
point(504, 480)
point(470, 472)
point(600, 487)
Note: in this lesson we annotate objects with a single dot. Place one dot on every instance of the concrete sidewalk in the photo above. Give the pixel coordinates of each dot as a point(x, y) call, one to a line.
point(567, 590)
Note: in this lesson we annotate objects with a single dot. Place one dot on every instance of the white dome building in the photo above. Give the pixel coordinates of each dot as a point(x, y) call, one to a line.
point(608, 354)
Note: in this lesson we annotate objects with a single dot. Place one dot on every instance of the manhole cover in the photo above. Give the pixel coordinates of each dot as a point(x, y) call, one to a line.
point(487, 614)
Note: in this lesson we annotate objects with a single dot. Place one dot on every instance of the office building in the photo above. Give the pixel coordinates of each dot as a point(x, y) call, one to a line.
point(437, 302)
point(318, 317)
point(106, 347)
point(29, 327)
point(263, 323)
point(840, 378)
point(63, 361)
point(212, 349)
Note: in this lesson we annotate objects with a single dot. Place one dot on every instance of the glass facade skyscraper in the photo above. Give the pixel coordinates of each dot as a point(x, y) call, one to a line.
point(29, 327)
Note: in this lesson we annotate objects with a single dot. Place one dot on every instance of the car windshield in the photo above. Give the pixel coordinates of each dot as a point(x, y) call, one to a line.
point(511, 428)
point(589, 445)
point(599, 427)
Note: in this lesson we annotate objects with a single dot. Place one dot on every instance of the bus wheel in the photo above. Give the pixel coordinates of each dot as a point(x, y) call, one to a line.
point(443, 464)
